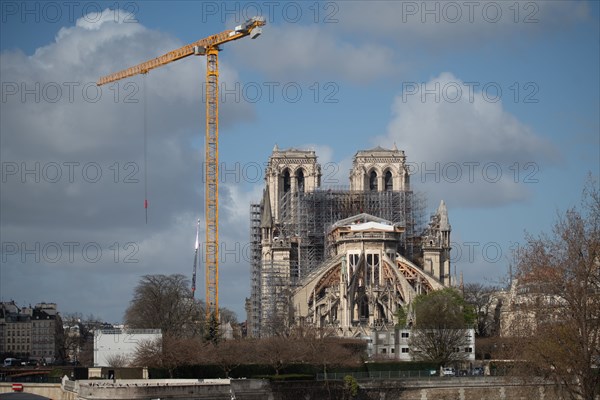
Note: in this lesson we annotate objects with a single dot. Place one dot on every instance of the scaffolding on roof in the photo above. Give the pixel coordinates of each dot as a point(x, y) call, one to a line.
point(304, 220)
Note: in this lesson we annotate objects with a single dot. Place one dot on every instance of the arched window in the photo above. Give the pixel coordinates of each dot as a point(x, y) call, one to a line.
point(300, 180)
point(363, 307)
point(373, 181)
point(388, 184)
point(286, 181)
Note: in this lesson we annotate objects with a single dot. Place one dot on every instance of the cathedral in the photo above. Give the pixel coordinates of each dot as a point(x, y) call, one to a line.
point(342, 259)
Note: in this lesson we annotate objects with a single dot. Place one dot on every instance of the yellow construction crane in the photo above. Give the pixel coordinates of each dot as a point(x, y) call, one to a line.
point(208, 47)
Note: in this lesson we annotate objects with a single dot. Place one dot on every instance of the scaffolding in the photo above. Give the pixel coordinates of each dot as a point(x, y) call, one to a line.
point(301, 232)
point(306, 217)
point(253, 305)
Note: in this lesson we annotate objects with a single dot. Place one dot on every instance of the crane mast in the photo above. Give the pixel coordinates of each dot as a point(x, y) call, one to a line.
point(208, 47)
point(211, 211)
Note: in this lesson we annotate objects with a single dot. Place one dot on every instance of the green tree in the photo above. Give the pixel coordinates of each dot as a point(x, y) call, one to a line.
point(442, 319)
point(213, 332)
point(401, 318)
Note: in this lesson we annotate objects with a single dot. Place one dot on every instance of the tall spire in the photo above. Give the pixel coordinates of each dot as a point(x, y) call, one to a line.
point(443, 214)
point(266, 219)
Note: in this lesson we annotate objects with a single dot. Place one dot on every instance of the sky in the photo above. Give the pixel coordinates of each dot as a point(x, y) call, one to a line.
point(496, 105)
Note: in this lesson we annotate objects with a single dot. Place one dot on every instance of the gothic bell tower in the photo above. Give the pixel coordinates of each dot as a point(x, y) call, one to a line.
point(292, 171)
point(379, 170)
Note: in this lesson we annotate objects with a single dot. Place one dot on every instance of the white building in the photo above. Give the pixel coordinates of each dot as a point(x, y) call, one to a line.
point(396, 344)
point(109, 344)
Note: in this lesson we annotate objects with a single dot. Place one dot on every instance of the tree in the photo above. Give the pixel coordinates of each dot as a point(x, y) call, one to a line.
point(76, 342)
point(165, 302)
point(481, 298)
point(213, 332)
point(276, 352)
point(560, 274)
point(117, 360)
point(169, 352)
point(227, 354)
point(441, 321)
point(331, 352)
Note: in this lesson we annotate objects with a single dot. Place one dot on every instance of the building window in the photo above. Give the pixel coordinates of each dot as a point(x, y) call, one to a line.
point(300, 180)
point(286, 181)
point(389, 183)
point(393, 350)
point(373, 181)
point(383, 351)
point(468, 349)
point(404, 350)
point(404, 334)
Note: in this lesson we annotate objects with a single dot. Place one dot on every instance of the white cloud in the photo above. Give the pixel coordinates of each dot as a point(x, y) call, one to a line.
point(303, 52)
point(454, 24)
point(463, 146)
point(52, 122)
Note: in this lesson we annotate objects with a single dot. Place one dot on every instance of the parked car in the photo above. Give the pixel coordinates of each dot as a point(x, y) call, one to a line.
point(447, 371)
point(11, 362)
point(477, 371)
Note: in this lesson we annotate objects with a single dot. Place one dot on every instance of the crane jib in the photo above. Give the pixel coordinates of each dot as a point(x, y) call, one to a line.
point(246, 29)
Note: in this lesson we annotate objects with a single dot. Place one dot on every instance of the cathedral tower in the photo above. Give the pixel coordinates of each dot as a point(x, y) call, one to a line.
point(379, 170)
point(292, 171)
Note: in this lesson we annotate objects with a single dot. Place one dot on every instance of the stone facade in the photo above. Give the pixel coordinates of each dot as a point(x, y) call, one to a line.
point(310, 264)
point(30, 332)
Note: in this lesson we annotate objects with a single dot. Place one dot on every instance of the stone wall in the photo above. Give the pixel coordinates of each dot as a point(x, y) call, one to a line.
point(475, 388)
point(49, 390)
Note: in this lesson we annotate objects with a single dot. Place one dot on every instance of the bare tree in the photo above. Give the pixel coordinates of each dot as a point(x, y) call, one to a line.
point(330, 352)
point(481, 298)
point(275, 351)
point(117, 360)
point(229, 354)
point(168, 352)
point(165, 302)
point(76, 342)
point(559, 274)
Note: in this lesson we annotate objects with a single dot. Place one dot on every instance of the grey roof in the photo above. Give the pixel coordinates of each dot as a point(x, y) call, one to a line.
point(363, 217)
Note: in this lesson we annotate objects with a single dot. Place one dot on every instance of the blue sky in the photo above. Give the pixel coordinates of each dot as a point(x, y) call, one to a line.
point(495, 103)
